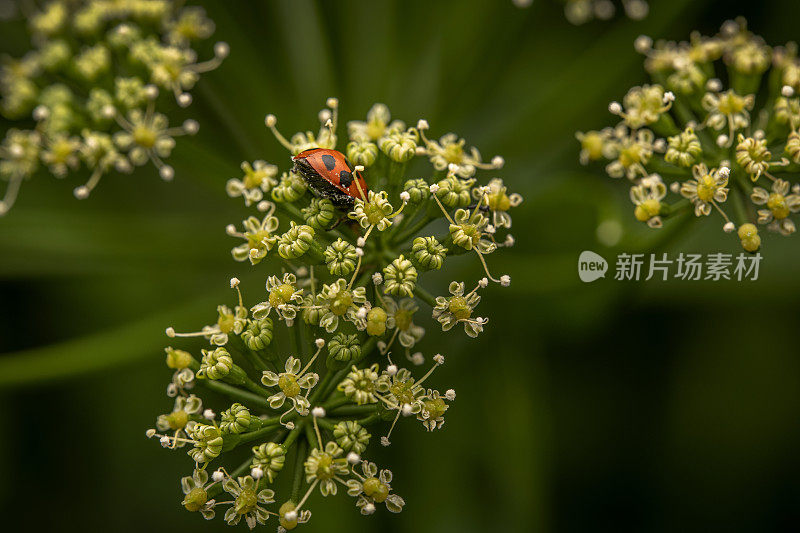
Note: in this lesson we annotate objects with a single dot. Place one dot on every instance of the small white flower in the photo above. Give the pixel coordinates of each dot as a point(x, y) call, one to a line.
point(728, 227)
point(787, 91)
point(385, 441)
point(434, 188)
point(505, 280)
point(170, 331)
point(218, 476)
point(234, 283)
point(439, 358)
point(615, 108)
point(318, 412)
point(391, 370)
point(450, 394)
point(257, 473)
point(353, 458)
point(209, 414)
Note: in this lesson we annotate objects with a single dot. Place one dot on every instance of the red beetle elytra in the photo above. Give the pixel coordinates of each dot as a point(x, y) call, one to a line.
point(330, 175)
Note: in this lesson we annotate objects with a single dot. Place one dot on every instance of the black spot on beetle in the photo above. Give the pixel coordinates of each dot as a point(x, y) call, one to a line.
point(345, 179)
point(329, 161)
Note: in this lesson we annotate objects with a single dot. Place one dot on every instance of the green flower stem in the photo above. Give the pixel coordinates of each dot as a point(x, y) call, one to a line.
point(299, 469)
point(396, 173)
point(412, 215)
point(327, 424)
point(235, 392)
point(321, 387)
point(348, 410)
point(253, 386)
point(416, 228)
point(371, 419)
point(294, 434)
point(425, 296)
point(269, 427)
point(338, 402)
point(216, 488)
point(678, 207)
point(316, 252)
point(738, 195)
point(665, 169)
point(236, 347)
point(311, 437)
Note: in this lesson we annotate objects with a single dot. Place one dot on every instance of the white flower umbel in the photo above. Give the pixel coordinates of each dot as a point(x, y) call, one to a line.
point(346, 291)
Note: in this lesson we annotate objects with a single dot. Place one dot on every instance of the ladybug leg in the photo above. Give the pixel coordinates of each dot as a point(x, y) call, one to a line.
point(484, 208)
point(341, 219)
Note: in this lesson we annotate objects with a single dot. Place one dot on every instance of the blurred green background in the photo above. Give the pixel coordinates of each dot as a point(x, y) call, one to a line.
point(657, 406)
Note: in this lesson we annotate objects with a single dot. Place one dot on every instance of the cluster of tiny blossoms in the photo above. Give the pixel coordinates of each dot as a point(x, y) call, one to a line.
point(582, 11)
point(327, 357)
point(723, 148)
point(91, 87)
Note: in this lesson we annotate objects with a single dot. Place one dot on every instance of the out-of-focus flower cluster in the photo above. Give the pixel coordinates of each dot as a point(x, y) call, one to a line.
point(582, 11)
point(90, 86)
point(326, 358)
point(721, 148)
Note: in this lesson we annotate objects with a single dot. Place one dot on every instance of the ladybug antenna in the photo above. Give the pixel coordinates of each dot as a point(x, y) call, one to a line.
point(270, 121)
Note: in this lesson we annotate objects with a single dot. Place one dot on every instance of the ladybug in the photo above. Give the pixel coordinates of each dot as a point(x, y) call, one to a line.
point(330, 175)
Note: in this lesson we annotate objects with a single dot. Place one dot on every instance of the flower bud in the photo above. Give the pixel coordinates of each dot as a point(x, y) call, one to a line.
point(343, 350)
point(362, 153)
point(178, 359)
point(296, 241)
point(400, 277)
point(428, 253)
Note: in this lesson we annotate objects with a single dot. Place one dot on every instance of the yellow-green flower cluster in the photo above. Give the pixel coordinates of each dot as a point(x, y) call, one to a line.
point(721, 148)
point(323, 358)
point(91, 84)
